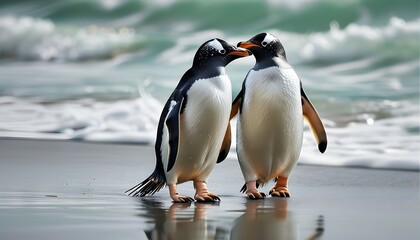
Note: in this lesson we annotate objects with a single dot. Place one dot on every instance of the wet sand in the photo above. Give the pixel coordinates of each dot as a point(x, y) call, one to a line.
point(70, 190)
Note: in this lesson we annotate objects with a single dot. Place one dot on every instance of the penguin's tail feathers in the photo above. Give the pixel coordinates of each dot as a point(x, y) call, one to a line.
point(149, 186)
point(243, 189)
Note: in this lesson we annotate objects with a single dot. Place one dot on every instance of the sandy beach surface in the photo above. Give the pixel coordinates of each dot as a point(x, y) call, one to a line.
point(72, 190)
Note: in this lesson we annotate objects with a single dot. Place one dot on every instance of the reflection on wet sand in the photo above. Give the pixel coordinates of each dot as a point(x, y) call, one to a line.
point(181, 222)
point(272, 222)
point(262, 219)
point(260, 223)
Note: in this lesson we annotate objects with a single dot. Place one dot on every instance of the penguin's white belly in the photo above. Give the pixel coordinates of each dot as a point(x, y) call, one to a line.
point(203, 126)
point(270, 127)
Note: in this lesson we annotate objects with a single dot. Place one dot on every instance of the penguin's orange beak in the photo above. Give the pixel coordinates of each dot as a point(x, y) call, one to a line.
point(240, 52)
point(247, 45)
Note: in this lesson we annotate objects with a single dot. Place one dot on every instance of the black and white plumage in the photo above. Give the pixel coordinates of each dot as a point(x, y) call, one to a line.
point(194, 131)
point(271, 106)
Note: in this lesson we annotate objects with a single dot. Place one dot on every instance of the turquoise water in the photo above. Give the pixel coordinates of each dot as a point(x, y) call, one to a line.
point(100, 70)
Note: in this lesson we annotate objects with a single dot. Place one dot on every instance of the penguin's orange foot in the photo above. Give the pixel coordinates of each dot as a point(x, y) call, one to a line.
point(207, 197)
point(255, 195)
point(182, 199)
point(280, 192)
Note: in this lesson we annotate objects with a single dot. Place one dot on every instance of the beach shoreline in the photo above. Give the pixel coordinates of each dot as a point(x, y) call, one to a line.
point(52, 188)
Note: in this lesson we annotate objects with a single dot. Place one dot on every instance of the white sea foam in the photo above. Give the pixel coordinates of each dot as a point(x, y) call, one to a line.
point(89, 120)
point(39, 39)
point(384, 144)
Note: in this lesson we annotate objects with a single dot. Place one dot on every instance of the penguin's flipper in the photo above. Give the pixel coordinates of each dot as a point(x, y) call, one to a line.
point(172, 123)
point(236, 105)
point(314, 121)
point(224, 150)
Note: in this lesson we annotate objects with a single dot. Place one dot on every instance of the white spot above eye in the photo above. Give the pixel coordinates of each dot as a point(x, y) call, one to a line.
point(268, 39)
point(216, 45)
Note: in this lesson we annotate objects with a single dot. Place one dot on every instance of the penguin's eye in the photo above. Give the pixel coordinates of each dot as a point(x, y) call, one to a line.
point(264, 44)
point(222, 51)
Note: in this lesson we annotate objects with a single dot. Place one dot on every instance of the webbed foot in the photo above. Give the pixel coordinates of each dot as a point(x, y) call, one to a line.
point(181, 199)
point(279, 192)
point(255, 194)
point(207, 197)
point(280, 189)
point(252, 191)
point(202, 194)
point(178, 198)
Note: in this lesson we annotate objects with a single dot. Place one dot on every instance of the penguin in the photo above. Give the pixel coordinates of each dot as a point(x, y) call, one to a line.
point(271, 107)
point(194, 130)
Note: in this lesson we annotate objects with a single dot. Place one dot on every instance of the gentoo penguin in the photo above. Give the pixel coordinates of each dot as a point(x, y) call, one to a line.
point(270, 123)
point(194, 131)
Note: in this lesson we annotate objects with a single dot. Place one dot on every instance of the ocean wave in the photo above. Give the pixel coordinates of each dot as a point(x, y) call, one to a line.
point(392, 43)
point(47, 30)
point(398, 40)
point(122, 121)
point(31, 38)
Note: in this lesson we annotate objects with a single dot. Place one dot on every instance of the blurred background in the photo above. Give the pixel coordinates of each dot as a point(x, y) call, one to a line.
point(100, 70)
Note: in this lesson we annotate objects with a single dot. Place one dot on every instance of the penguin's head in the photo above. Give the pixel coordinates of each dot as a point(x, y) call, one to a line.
point(218, 52)
point(264, 45)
